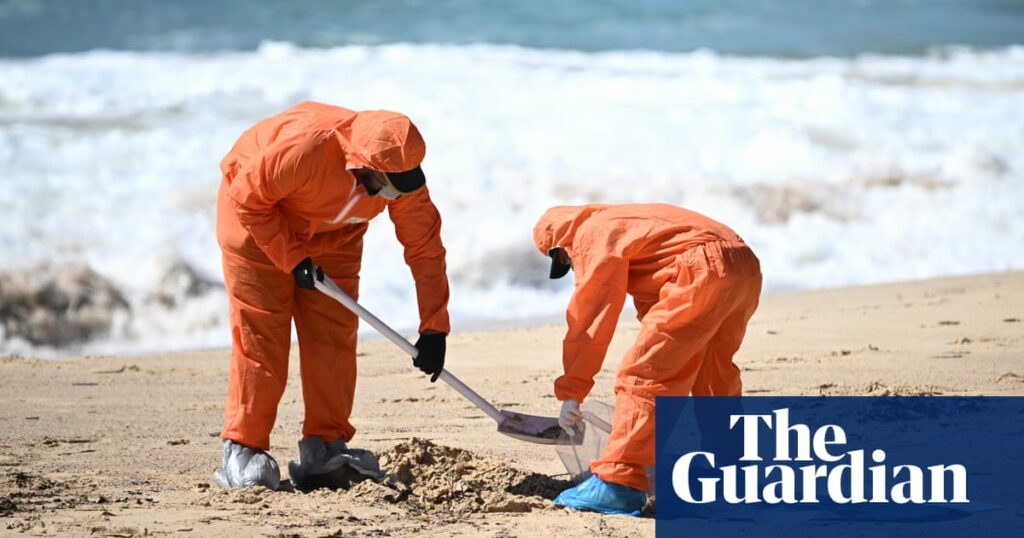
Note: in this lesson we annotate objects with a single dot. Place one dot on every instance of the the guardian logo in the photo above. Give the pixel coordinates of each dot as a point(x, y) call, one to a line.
point(809, 467)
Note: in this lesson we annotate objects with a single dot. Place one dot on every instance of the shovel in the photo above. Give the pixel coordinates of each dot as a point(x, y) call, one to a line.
point(529, 428)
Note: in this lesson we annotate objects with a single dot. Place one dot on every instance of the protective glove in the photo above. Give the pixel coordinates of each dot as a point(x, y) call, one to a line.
point(430, 359)
point(304, 274)
point(570, 416)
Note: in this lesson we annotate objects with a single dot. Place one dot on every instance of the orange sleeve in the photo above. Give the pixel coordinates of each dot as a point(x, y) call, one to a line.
point(600, 255)
point(592, 315)
point(257, 190)
point(418, 228)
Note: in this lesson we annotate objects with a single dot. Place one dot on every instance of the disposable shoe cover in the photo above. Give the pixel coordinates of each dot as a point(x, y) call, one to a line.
point(596, 495)
point(244, 467)
point(332, 465)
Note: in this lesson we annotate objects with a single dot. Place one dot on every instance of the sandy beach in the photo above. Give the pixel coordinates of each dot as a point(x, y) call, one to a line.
point(861, 149)
point(125, 445)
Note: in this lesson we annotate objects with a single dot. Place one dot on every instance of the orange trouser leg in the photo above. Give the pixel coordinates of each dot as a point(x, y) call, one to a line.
point(714, 283)
point(260, 301)
point(327, 348)
point(718, 375)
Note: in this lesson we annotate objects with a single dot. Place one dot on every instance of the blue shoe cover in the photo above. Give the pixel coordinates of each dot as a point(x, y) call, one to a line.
point(597, 495)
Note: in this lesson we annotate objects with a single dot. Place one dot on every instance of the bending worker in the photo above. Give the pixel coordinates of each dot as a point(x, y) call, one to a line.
point(695, 284)
point(298, 189)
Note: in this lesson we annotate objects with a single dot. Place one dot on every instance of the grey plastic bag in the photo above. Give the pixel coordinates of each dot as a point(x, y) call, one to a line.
point(331, 465)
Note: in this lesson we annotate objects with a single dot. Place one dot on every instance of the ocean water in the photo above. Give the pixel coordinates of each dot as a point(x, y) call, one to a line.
point(852, 143)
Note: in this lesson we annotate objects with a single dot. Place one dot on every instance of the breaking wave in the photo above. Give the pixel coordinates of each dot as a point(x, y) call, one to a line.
point(837, 171)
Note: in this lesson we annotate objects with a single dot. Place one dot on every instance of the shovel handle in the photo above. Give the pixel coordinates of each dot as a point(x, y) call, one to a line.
point(328, 287)
point(597, 421)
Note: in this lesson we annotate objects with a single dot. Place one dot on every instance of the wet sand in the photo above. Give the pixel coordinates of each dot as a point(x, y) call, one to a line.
point(124, 446)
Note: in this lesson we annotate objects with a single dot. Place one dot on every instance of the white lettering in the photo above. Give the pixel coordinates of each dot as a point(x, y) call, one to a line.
point(959, 474)
point(730, 491)
point(910, 490)
point(878, 477)
point(782, 431)
point(811, 474)
point(856, 471)
point(845, 483)
point(750, 442)
point(782, 490)
point(821, 442)
point(681, 479)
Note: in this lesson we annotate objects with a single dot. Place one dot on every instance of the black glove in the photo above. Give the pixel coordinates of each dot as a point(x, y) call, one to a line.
point(304, 274)
point(430, 358)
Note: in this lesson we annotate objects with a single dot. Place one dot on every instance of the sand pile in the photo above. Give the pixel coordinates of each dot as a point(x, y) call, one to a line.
point(432, 478)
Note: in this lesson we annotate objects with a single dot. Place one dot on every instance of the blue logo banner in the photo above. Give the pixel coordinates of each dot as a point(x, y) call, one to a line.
point(840, 466)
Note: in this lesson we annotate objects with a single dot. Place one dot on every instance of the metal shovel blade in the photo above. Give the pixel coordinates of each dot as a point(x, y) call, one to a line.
point(539, 430)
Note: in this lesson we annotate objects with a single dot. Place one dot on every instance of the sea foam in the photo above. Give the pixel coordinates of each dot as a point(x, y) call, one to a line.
point(837, 171)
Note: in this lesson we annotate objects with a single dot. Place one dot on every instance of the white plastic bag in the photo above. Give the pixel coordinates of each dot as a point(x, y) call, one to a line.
point(597, 420)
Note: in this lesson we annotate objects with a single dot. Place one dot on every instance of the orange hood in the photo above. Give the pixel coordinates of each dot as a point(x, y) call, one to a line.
point(384, 140)
point(557, 227)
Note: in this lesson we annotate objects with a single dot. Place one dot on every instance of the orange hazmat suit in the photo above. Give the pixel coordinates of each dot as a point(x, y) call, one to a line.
point(695, 284)
point(287, 194)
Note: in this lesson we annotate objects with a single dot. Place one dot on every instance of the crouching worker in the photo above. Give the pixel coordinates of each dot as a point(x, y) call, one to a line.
point(695, 284)
point(298, 189)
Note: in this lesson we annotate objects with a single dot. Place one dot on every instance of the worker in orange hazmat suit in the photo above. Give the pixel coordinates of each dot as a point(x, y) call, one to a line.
point(695, 285)
point(297, 192)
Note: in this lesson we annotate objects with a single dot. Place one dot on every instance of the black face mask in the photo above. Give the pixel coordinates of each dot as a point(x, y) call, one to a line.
point(390, 185)
point(560, 262)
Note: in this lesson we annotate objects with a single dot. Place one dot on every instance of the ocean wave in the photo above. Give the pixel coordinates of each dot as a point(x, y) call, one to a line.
point(790, 28)
point(837, 170)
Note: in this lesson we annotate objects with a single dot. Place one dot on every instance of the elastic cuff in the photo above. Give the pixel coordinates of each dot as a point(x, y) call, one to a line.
point(564, 392)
